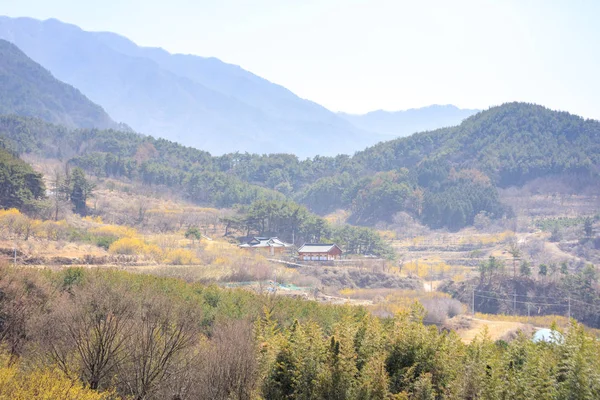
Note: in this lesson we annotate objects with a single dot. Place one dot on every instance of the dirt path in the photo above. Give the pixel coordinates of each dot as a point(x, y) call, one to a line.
point(342, 300)
point(553, 249)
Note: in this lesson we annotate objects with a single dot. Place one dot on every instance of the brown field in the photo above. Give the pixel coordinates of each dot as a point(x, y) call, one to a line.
point(493, 329)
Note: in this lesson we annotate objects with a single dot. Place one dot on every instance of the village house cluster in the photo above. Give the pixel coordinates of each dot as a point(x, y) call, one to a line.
point(307, 252)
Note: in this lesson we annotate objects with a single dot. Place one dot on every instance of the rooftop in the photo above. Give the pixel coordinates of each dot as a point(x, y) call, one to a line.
point(317, 248)
point(260, 241)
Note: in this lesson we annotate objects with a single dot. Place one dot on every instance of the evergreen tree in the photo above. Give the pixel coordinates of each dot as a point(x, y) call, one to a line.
point(564, 268)
point(338, 381)
point(81, 190)
point(525, 268)
point(423, 389)
point(543, 270)
point(281, 382)
point(193, 233)
point(578, 370)
point(374, 380)
point(20, 186)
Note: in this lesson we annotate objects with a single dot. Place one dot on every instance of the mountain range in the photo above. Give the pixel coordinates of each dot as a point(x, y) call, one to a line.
point(30, 90)
point(407, 122)
point(201, 102)
point(197, 101)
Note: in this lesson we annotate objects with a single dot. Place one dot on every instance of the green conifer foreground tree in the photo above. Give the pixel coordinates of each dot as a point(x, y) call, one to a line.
point(81, 190)
point(20, 185)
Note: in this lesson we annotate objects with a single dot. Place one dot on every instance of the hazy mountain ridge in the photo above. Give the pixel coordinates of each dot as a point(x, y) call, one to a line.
point(30, 90)
point(406, 122)
point(196, 101)
point(222, 77)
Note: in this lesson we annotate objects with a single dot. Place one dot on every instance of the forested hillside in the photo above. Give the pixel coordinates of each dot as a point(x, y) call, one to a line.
point(194, 174)
point(445, 177)
point(512, 144)
point(27, 89)
point(20, 185)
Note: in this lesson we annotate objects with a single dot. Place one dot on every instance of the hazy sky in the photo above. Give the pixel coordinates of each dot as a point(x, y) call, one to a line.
point(357, 56)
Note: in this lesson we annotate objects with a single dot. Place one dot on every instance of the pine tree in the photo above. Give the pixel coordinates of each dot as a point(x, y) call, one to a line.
point(281, 382)
point(339, 380)
point(81, 190)
point(525, 268)
point(193, 233)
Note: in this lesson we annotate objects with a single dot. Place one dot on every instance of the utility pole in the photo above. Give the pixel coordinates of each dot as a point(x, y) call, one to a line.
point(473, 300)
point(569, 311)
point(15, 257)
point(515, 303)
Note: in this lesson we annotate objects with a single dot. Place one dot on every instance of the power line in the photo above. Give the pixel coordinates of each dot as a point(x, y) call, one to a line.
point(506, 297)
point(521, 295)
point(521, 302)
point(597, 307)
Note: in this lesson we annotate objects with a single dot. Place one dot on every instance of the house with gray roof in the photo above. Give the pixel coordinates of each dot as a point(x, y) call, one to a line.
point(319, 252)
point(270, 245)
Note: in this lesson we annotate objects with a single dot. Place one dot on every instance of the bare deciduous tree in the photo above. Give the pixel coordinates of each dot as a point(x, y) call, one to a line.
point(22, 298)
point(88, 331)
point(229, 369)
point(162, 333)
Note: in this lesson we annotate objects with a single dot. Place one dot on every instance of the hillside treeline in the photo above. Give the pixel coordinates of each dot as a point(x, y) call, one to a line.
point(512, 144)
point(556, 290)
point(124, 335)
point(20, 186)
point(444, 177)
point(296, 224)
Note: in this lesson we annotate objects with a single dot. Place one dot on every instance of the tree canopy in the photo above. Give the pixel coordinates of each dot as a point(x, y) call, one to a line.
point(20, 185)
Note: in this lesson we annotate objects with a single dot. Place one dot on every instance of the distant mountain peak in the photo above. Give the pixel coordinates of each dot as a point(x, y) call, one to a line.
point(432, 107)
point(405, 122)
point(30, 90)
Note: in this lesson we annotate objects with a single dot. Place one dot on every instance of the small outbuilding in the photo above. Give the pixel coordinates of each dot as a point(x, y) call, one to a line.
point(270, 245)
point(319, 252)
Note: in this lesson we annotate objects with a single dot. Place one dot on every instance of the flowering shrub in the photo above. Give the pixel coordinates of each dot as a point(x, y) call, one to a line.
point(47, 383)
point(118, 231)
point(179, 257)
point(128, 246)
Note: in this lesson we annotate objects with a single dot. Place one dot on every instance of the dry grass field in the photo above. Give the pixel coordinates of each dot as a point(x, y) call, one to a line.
point(495, 330)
